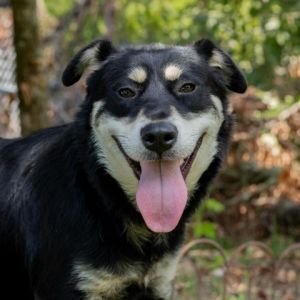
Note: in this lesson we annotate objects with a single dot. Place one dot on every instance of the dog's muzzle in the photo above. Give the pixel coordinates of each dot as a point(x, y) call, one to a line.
point(159, 137)
point(162, 193)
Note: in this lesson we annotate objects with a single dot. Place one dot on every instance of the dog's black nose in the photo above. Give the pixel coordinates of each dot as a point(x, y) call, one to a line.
point(159, 137)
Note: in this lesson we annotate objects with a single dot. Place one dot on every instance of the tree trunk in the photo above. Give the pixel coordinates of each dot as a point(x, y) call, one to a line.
point(31, 71)
point(109, 18)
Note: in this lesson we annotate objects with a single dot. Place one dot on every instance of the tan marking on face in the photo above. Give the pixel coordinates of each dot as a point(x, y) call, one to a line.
point(172, 72)
point(138, 75)
point(217, 60)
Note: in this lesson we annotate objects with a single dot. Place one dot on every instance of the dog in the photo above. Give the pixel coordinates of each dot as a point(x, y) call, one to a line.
point(97, 209)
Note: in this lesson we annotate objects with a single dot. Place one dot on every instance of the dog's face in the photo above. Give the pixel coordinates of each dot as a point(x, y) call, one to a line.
point(157, 112)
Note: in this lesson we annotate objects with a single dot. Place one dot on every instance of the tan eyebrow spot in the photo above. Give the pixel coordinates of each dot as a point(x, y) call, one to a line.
point(172, 72)
point(138, 74)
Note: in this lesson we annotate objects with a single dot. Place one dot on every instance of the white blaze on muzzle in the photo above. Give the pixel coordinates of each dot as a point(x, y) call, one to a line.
point(161, 192)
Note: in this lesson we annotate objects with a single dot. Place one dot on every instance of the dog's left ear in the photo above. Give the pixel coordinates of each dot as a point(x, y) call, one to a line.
point(90, 56)
point(217, 58)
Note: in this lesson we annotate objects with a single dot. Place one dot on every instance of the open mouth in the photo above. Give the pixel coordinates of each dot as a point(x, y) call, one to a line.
point(184, 167)
point(187, 162)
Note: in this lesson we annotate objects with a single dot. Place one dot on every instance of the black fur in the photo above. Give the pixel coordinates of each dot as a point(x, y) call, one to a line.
point(58, 205)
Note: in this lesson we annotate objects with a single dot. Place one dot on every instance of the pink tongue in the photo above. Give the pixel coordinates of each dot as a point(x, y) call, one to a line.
point(162, 195)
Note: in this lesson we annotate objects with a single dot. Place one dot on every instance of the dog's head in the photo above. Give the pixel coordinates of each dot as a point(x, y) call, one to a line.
point(157, 112)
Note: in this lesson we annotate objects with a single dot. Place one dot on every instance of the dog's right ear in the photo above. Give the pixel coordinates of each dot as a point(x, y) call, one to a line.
point(91, 55)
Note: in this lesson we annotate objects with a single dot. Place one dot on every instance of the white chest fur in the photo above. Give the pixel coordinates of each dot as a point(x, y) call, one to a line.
point(100, 284)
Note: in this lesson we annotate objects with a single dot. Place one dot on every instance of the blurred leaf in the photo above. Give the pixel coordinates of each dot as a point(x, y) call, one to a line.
point(214, 206)
point(205, 229)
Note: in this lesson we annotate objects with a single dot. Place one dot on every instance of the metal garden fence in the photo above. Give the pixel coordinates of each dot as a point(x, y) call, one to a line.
point(250, 272)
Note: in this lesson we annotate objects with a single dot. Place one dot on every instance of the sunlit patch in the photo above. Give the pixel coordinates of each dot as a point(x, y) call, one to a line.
point(172, 72)
point(138, 74)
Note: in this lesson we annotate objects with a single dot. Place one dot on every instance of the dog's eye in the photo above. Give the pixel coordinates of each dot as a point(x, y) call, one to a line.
point(187, 88)
point(126, 93)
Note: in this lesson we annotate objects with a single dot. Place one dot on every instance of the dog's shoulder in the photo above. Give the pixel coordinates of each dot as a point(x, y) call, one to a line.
point(36, 182)
point(23, 159)
point(4, 142)
point(18, 150)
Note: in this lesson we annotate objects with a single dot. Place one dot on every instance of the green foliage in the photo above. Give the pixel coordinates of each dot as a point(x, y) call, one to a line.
point(204, 228)
point(213, 206)
point(58, 9)
point(259, 34)
point(279, 242)
point(155, 21)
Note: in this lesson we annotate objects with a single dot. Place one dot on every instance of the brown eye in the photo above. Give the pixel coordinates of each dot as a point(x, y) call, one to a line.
point(126, 93)
point(187, 88)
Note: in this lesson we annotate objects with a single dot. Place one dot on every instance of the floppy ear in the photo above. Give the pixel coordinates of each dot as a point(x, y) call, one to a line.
point(91, 55)
point(217, 58)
